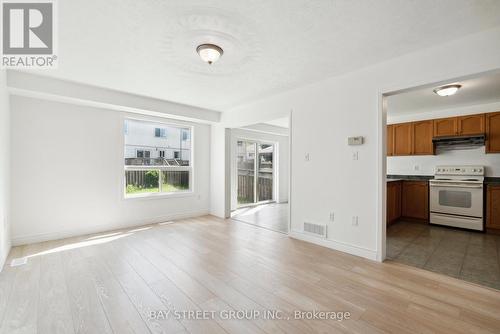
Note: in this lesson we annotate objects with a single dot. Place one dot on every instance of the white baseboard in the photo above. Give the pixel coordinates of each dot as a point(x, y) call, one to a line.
point(337, 245)
point(49, 236)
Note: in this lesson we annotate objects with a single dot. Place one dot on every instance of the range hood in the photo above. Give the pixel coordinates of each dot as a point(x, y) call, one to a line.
point(459, 142)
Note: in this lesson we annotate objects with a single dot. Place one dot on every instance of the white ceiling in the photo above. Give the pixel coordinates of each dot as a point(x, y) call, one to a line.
point(475, 91)
point(147, 47)
point(281, 122)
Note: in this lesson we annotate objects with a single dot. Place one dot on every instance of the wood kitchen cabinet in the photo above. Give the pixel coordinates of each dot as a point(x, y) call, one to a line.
point(422, 138)
point(393, 201)
point(493, 207)
point(492, 132)
point(390, 140)
point(471, 124)
point(445, 127)
point(403, 139)
point(415, 200)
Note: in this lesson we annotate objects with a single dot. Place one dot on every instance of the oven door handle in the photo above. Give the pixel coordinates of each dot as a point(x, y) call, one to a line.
point(468, 186)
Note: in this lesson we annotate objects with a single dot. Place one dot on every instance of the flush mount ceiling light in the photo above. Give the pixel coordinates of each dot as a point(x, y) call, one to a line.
point(447, 90)
point(209, 53)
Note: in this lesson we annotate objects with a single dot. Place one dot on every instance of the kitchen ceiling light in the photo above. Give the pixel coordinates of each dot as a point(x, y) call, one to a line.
point(447, 90)
point(209, 53)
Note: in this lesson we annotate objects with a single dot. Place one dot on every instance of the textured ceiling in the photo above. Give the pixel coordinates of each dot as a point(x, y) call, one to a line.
point(475, 91)
point(147, 47)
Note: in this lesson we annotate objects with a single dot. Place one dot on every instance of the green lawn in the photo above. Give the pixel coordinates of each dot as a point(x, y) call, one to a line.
point(166, 188)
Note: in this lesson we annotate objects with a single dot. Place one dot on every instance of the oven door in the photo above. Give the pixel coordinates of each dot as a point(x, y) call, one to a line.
point(455, 198)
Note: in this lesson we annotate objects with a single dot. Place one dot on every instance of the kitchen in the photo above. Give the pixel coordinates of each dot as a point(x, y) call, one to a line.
point(443, 179)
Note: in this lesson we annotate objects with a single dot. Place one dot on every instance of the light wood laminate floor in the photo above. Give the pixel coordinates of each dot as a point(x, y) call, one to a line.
point(110, 283)
point(273, 216)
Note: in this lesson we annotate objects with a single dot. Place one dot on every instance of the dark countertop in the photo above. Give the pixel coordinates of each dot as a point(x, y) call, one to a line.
point(487, 179)
point(410, 177)
point(492, 180)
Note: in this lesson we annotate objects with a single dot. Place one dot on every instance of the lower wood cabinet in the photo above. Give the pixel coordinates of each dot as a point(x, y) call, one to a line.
point(415, 200)
point(493, 207)
point(393, 201)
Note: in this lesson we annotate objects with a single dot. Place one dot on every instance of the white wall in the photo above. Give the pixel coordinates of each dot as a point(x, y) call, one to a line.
point(327, 112)
point(4, 169)
point(282, 162)
point(67, 172)
point(424, 165)
point(220, 144)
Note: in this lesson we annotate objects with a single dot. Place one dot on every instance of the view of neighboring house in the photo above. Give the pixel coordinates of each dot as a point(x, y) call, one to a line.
point(148, 143)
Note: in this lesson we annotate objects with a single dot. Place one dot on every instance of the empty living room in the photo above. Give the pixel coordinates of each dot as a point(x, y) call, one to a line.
point(215, 166)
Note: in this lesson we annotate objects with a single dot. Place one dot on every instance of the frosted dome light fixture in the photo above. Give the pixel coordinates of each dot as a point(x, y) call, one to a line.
point(447, 90)
point(209, 53)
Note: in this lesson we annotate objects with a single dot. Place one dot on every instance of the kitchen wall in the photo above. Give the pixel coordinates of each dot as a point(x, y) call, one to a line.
point(4, 169)
point(326, 113)
point(67, 165)
point(281, 161)
point(424, 165)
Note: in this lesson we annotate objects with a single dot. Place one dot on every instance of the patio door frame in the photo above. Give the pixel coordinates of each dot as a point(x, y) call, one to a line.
point(256, 169)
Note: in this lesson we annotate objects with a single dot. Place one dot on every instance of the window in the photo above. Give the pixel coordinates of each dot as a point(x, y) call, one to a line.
point(143, 154)
point(168, 171)
point(161, 133)
point(185, 135)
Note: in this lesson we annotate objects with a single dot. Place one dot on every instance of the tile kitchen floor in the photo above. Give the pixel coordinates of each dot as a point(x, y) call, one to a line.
point(467, 255)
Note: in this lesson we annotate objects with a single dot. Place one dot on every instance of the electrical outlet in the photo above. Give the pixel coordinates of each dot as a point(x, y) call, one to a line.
point(354, 220)
point(307, 157)
point(332, 216)
point(355, 155)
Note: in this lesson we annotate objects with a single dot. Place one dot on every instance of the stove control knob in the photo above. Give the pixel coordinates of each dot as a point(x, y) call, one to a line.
point(475, 170)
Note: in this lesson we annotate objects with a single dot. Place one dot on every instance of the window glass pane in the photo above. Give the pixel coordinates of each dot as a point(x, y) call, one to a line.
point(143, 181)
point(173, 181)
point(246, 171)
point(457, 199)
point(156, 144)
point(265, 182)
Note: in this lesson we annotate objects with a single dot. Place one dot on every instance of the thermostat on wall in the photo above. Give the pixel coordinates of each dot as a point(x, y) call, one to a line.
point(355, 140)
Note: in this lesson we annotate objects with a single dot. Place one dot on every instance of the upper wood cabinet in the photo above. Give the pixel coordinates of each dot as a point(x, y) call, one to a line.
point(471, 124)
point(493, 207)
point(463, 125)
point(422, 138)
point(390, 140)
point(415, 200)
point(415, 138)
point(493, 132)
point(445, 127)
point(403, 139)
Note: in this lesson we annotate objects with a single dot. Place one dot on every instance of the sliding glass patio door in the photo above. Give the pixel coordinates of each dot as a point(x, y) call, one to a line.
point(255, 172)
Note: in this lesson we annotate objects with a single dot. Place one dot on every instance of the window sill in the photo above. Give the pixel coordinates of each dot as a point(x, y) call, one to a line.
point(158, 196)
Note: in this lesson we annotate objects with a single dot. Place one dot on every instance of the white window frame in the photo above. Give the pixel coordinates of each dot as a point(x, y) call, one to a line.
point(190, 168)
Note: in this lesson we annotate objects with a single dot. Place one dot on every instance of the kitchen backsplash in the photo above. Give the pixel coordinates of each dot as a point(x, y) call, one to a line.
point(424, 165)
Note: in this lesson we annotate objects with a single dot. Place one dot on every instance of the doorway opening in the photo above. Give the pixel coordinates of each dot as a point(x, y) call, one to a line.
point(260, 175)
point(442, 170)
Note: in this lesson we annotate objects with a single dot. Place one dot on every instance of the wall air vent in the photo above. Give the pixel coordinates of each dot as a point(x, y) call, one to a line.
point(316, 229)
